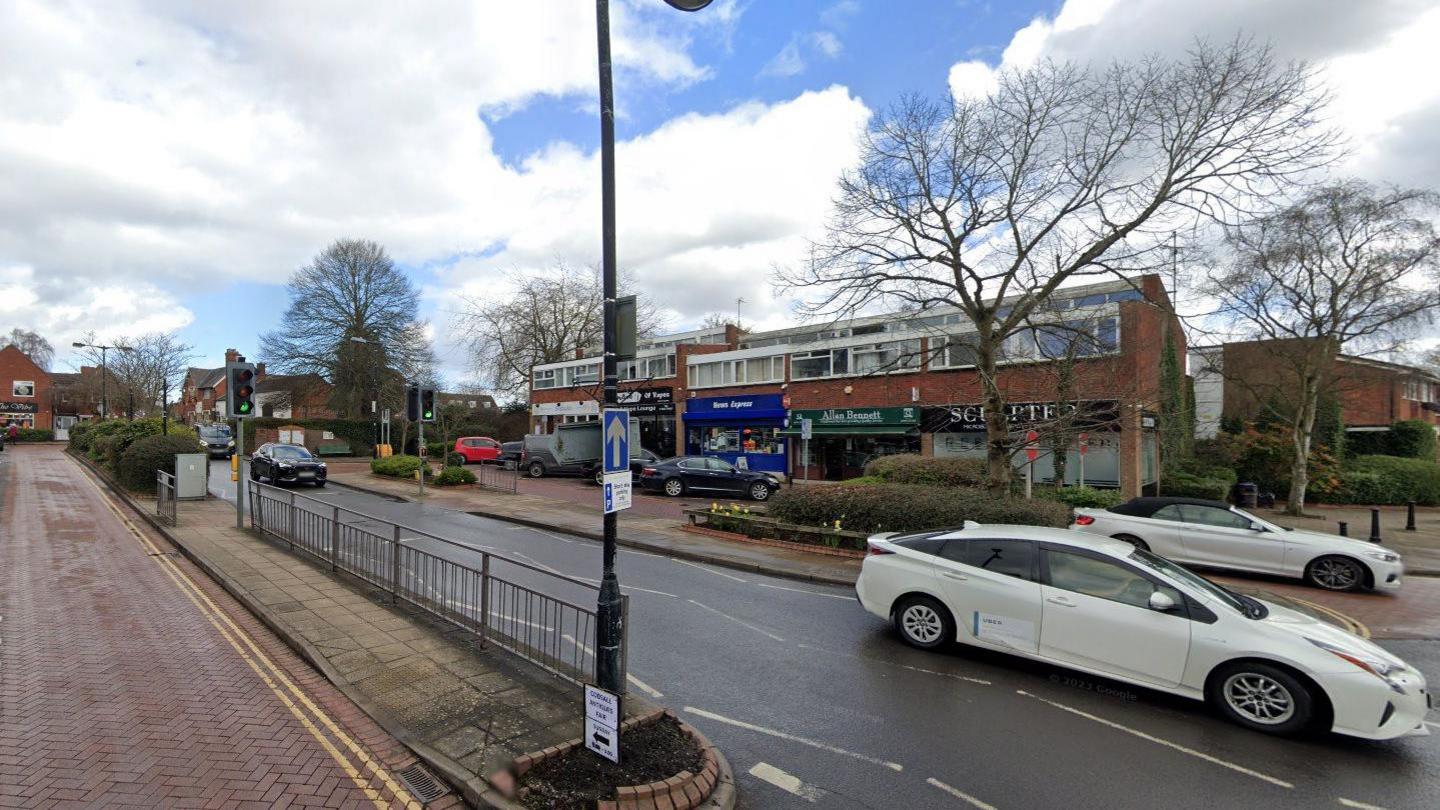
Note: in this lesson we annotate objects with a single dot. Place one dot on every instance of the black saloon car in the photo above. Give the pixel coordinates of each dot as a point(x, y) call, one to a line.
point(703, 475)
point(287, 464)
point(217, 439)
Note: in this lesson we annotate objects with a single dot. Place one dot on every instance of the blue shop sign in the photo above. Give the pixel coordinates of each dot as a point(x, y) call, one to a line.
point(735, 410)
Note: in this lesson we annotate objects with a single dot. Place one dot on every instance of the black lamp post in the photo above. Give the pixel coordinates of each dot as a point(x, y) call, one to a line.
point(104, 412)
point(607, 619)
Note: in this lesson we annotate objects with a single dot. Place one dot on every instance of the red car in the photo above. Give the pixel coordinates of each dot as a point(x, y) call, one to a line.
point(478, 449)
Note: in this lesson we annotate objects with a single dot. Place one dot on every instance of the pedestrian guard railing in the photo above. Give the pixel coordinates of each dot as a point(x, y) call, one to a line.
point(497, 477)
point(165, 496)
point(537, 613)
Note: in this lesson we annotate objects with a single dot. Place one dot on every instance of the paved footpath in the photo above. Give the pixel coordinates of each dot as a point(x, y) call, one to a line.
point(127, 678)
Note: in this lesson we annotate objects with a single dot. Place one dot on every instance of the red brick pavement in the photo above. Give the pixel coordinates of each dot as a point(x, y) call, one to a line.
point(129, 679)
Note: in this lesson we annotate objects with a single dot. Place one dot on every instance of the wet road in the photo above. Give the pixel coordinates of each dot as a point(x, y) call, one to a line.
point(817, 702)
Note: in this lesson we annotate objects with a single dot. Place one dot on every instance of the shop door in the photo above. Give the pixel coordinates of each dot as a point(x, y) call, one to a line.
point(832, 458)
point(62, 428)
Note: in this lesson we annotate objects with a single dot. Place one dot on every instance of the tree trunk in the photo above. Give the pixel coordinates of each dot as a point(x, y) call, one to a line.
point(997, 427)
point(1302, 431)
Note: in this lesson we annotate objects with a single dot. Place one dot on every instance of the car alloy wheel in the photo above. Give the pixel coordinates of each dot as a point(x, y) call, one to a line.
point(600, 478)
point(759, 491)
point(1336, 574)
point(1258, 698)
point(923, 623)
point(674, 487)
point(536, 470)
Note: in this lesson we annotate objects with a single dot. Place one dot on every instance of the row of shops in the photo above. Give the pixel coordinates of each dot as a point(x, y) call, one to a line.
point(761, 432)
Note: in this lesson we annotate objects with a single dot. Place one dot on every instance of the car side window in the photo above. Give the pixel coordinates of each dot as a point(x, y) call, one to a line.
point(1171, 512)
point(1013, 558)
point(690, 464)
point(720, 465)
point(955, 550)
point(1107, 580)
point(1211, 516)
point(927, 545)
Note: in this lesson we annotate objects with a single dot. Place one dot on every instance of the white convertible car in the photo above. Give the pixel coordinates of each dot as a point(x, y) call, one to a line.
point(1106, 607)
point(1215, 534)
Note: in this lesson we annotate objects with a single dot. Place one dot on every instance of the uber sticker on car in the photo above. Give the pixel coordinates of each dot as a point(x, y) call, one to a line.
point(1006, 630)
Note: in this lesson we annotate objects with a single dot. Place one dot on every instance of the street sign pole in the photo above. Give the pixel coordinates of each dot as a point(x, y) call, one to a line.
point(1084, 441)
point(420, 451)
point(807, 428)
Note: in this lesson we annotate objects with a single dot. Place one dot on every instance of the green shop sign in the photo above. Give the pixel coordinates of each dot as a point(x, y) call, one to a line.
point(856, 420)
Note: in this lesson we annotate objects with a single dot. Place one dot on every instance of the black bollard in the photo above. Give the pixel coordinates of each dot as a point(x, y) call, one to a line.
point(1374, 525)
point(1409, 516)
point(1344, 529)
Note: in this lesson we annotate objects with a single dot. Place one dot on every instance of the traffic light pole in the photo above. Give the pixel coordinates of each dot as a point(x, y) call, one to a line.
point(242, 478)
point(608, 631)
point(420, 451)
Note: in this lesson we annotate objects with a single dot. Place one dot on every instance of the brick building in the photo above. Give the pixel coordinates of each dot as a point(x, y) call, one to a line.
point(25, 391)
point(892, 383)
point(287, 396)
point(1237, 380)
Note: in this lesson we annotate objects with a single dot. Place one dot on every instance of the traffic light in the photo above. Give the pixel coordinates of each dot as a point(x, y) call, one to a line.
point(240, 389)
point(427, 404)
point(412, 402)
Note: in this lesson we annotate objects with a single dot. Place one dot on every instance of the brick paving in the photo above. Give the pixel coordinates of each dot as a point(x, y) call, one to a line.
point(120, 686)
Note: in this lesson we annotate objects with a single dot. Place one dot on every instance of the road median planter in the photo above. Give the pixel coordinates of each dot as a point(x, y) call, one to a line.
point(747, 525)
point(681, 769)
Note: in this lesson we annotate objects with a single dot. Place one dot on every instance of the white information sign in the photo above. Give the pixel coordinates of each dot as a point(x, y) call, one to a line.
point(807, 429)
point(602, 722)
point(617, 491)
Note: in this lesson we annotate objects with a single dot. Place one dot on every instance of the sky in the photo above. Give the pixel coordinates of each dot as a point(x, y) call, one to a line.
point(168, 165)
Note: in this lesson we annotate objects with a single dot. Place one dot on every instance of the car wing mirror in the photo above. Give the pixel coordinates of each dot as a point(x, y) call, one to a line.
point(1256, 527)
point(1161, 601)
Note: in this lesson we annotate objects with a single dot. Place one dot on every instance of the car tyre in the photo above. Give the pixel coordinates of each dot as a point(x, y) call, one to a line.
point(319, 484)
point(535, 470)
point(759, 491)
point(1134, 541)
point(1261, 697)
point(600, 477)
point(1334, 573)
point(923, 622)
point(254, 475)
point(674, 487)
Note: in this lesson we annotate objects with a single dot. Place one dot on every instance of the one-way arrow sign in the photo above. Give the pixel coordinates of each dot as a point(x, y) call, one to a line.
point(617, 441)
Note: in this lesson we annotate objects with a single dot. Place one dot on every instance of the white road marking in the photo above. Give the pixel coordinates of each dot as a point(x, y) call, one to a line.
point(1358, 805)
point(641, 553)
point(894, 766)
point(1176, 746)
point(708, 570)
point(514, 619)
point(766, 772)
point(802, 590)
point(762, 632)
point(1430, 724)
point(639, 684)
point(960, 794)
point(966, 678)
point(540, 531)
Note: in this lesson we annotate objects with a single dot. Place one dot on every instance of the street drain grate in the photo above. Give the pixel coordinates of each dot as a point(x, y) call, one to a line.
point(422, 784)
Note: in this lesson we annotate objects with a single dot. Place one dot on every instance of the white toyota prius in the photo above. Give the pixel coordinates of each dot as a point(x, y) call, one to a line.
point(1105, 607)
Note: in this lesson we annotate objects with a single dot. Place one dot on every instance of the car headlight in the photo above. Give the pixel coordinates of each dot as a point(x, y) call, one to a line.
point(230, 443)
point(1380, 668)
point(1383, 556)
point(320, 466)
point(286, 467)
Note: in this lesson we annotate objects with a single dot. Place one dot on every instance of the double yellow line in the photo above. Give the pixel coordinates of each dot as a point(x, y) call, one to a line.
point(363, 774)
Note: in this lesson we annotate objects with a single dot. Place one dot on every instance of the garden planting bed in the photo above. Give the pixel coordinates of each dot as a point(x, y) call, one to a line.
point(756, 527)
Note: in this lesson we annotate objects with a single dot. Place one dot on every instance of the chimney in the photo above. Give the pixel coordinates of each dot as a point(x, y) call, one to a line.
point(259, 371)
point(231, 355)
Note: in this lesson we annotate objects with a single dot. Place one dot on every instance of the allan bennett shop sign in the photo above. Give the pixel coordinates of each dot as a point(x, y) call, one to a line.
point(907, 417)
point(1096, 415)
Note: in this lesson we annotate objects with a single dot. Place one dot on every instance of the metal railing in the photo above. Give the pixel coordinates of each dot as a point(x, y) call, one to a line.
point(496, 476)
point(540, 615)
point(165, 496)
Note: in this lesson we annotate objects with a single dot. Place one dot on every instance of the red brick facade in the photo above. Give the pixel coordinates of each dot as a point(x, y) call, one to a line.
point(25, 391)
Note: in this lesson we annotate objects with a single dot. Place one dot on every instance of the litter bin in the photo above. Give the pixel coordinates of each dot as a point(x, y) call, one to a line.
point(1246, 495)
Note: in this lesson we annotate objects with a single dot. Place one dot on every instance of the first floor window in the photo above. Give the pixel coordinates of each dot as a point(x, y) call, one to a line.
point(23, 388)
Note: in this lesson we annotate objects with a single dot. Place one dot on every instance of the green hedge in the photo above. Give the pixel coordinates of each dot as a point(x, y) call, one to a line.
point(35, 435)
point(399, 466)
point(1410, 438)
point(908, 468)
point(358, 433)
point(145, 455)
point(454, 476)
point(106, 442)
point(1184, 485)
point(904, 507)
point(1081, 497)
point(1400, 480)
point(1216, 472)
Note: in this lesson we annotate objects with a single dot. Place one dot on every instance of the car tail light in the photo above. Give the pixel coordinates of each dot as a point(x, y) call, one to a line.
point(1083, 520)
point(876, 551)
point(648, 471)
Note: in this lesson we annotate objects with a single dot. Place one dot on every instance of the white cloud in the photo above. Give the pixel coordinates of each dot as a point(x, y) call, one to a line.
point(972, 79)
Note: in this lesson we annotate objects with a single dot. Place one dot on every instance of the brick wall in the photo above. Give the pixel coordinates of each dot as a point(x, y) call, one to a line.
point(15, 365)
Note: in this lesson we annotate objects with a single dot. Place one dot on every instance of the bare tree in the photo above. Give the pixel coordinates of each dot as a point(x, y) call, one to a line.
point(350, 292)
point(1347, 267)
point(545, 317)
point(145, 373)
point(1064, 172)
point(37, 348)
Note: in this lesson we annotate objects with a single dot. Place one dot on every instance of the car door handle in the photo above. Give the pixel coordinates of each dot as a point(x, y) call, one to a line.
point(953, 575)
point(1059, 600)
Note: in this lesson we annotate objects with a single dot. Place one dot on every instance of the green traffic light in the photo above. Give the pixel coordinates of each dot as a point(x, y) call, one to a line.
point(244, 407)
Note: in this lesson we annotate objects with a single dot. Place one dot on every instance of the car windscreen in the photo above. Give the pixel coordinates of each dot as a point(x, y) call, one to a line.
point(216, 432)
point(1157, 563)
point(292, 453)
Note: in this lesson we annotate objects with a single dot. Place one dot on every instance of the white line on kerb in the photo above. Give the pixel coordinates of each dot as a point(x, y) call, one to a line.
point(709, 570)
point(802, 590)
point(894, 766)
point(1358, 805)
point(1176, 746)
point(1430, 724)
point(959, 794)
point(766, 772)
point(538, 531)
point(765, 633)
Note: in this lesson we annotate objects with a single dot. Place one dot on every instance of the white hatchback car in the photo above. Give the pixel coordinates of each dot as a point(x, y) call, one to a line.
point(1216, 534)
point(1103, 606)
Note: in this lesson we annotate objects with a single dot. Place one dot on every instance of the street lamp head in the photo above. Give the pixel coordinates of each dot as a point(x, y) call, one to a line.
point(356, 339)
point(688, 5)
point(77, 344)
point(123, 348)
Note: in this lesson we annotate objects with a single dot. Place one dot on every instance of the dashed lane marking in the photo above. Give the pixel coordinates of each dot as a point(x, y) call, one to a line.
point(802, 590)
point(957, 677)
point(768, 773)
point(1158, 741)
point(708, 570)
point(959, 794)
point(894, 766)
point(740, 622)
point(540, 532)
point(1358, 805)
point(634, 681)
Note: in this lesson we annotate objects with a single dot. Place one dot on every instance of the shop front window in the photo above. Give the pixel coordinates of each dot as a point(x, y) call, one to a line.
point(757, 440)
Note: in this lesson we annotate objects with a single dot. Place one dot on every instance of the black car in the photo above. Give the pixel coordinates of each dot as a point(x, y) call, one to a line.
point(217, 440)
point(510, 455)
point(642, 458)
point(706, 476)
point(287, 464)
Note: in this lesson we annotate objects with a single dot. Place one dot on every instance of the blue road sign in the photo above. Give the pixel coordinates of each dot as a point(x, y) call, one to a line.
point(615, 440)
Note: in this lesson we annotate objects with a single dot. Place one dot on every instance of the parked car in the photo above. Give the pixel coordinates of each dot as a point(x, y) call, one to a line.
point(1108, 608)
point(540, 460)
point(510, 454)
point(287, 464)
point(707, 476)
point(218, 441)
point(595, 471)
point(477, 449)
point(1217, 535)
